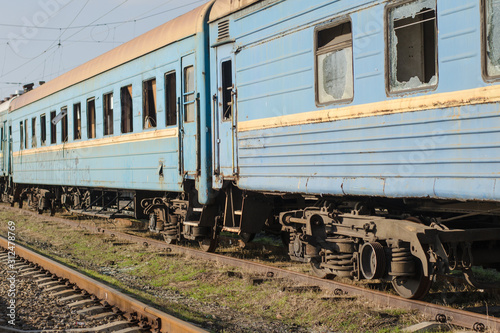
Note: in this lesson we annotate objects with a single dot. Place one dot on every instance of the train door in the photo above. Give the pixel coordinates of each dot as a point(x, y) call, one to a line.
point(225, 114)
point(189, 119)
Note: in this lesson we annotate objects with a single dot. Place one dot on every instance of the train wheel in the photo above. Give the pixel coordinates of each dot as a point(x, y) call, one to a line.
point(412, 287)
point(246, 237)
point(208, 244)
point(322, 273)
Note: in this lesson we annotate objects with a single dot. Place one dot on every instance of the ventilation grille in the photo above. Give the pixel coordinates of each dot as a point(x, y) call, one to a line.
point(223, 30)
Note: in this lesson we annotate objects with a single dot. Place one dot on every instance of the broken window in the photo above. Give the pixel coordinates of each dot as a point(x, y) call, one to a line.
point(127, 109)
point(43, 130)
point(107, 107)
point(492, 34)
point(334, 66)
point(170, 99)
point(64, 124)
point(77, 121)
point(227, 89)
point(21, 135)
point(412, 46)
point(53, 128)
point(33, 133)
point(149, 103)
point(189, 101)
point(91, 118)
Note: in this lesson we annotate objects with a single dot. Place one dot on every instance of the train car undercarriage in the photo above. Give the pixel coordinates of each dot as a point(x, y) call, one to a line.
point(403, 242)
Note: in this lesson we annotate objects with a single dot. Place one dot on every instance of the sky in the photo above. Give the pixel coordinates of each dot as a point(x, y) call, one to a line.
point(42, 39)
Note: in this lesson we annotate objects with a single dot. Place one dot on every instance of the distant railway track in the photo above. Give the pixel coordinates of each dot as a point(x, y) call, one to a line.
point(102, 299)
point(442, 314)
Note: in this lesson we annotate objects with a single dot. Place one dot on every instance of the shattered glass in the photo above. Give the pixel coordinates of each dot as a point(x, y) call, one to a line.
point(411, 65)
point(493, 37)
point(335, 78)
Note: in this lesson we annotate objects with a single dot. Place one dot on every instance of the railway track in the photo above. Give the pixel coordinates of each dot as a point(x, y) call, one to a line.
point(89, 297)
point(442, 314)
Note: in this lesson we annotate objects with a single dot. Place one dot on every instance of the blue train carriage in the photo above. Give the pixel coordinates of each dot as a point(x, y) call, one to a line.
point(5, 144)
point(371, 127)
point(126, 133)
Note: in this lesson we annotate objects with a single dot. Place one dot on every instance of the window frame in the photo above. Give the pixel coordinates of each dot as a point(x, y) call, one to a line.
point(64, 125)
point(77, 122)
point(484, 45)
point(43, 130)
point(87, 117)
point(122, 111)
point(324, 26)
point(108, 128)
point(187, 94)
point(34, 141)
point(144, 104)
point(21, 135)
point(176, 103)
point(53, 128)
point(389, 91)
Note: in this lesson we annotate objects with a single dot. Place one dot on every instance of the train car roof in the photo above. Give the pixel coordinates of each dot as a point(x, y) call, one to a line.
point(5, 106)
point(179, 28)
point(223, 8)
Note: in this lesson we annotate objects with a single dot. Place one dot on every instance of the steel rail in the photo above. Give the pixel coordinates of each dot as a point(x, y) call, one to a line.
point(135, 309)
point(475, 321)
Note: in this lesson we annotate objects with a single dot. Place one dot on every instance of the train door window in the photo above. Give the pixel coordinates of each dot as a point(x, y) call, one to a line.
point(149, 104)
point(334, 65)
point(21, 135)
point(127, 123)
point(412, 49)
point(107, 106)
point(77, 121)
point(33, 133)
point(53, 128)
point(2, 138)
point(91, 118)
point(43, 130)
point(64, 124)
point(26, 134)
point(492, 38)
point(189, 102)
point(170, 99)
point(227, 89)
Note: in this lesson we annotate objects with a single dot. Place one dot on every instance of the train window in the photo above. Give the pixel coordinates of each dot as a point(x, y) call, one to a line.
point(127, 109)
point(170, 99)
point(107, 106)
point(64, 124)
point(91, 118)
point(149, 104)
point(26, 133)
point(21, 135)
point(227, 89)
point(334, 65)
point(412, 49)
point(43, 130)
point(492, 37)
point(33, 133)
point(77, 121)
point(2, 138)
point(53, 137)
point(189, 102)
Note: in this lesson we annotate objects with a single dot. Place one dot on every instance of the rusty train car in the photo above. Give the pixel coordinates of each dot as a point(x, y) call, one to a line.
point(365, 132)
